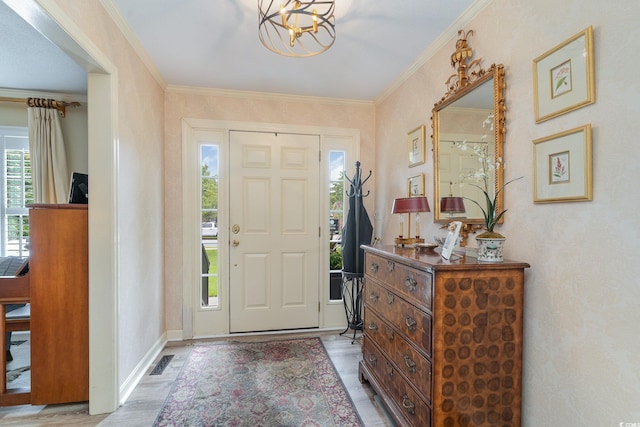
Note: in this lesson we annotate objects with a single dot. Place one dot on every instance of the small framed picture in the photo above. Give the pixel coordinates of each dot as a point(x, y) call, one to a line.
point(415, 141)
point(563, 77)
point(416, 185)
point(562, 167)
point(452, 237)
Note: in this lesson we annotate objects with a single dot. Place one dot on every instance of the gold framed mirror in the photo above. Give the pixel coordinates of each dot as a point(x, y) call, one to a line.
point(468, 137)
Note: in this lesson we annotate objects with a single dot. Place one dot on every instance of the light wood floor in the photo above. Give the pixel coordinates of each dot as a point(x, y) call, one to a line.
point(145, 402)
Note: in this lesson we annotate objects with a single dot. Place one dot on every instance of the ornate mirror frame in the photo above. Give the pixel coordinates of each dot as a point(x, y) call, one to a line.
point(461, 87)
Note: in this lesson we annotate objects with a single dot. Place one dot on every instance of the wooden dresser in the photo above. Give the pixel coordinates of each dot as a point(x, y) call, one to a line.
point(443, 339)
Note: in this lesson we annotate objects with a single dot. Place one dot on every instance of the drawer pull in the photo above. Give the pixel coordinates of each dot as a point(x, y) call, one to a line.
point(408, 405)
point(410, 322)
point(373, 360)
point(373, 296)
point(373, 327)
point(410, 283)
point(391, 266)
point(374, 267)
point(409, 363)
point(390, 298)
point(389, 369)
point(390, 335)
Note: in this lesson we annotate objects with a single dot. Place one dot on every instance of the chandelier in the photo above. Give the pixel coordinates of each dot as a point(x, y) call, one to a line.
point(295, 27)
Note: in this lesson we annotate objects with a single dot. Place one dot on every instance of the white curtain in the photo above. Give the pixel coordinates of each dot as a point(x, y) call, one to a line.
point(48, 157)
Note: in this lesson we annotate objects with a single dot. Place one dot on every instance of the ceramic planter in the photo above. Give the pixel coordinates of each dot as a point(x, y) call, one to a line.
point(490, 248)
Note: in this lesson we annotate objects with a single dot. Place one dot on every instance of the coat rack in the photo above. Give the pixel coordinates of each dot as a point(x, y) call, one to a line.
point(356, 231)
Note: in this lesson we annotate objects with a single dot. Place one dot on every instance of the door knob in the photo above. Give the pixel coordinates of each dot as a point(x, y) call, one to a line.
point(235, 243)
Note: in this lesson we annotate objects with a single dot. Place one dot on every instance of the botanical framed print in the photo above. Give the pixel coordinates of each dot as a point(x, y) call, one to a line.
point(563, 77)
point(562, 167)
point(416, 185)
point(415, 141)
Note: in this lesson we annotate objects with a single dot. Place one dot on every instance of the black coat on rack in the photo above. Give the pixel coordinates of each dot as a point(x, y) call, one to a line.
point(357, 229)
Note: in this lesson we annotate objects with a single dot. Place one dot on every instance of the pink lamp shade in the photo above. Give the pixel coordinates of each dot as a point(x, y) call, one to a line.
point(410, 205)
point(452, 205)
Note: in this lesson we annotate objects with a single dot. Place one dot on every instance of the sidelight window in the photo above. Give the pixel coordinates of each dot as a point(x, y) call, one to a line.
point(209, 184)
point(336, 219)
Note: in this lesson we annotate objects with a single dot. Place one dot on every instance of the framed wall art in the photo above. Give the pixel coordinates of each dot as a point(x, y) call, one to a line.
point(415, 141)
point(416, 185)
point(562, 167)
point(563, 77)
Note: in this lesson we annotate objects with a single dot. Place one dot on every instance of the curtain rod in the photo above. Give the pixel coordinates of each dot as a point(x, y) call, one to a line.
point(44, 103)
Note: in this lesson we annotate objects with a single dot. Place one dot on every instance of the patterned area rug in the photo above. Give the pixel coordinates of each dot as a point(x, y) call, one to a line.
point(277, 383)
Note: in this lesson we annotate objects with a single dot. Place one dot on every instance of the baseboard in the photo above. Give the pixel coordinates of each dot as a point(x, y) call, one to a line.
point(174, 335)
point(141, 368)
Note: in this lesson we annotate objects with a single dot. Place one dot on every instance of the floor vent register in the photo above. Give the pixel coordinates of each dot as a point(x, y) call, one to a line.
point(162, 364)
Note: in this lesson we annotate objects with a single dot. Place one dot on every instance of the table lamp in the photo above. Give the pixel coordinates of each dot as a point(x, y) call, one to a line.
point(451, 204)
point(409, 205)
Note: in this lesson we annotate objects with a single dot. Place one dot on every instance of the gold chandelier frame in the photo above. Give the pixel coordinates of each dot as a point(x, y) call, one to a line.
point(297, 28)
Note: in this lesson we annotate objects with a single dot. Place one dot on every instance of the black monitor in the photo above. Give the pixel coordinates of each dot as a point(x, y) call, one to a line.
point(79, 191)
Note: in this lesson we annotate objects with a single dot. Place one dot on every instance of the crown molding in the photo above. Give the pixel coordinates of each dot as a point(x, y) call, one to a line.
point(23, 94)
point(204, 91)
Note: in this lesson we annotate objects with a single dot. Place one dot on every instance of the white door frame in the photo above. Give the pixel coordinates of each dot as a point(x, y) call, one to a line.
point(47, 17)
point(331, 313)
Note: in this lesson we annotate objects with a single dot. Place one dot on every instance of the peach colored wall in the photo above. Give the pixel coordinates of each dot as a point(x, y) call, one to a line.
point(140, 186)
point(249, 108)
point(581, 348)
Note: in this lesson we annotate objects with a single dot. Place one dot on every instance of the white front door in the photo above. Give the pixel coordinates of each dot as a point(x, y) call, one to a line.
point(274, 231)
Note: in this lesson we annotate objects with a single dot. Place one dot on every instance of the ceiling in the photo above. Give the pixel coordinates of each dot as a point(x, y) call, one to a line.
point(31, 62)
point(215, 44)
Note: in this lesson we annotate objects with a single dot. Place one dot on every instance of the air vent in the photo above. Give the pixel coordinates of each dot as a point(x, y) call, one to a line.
point(164, 361)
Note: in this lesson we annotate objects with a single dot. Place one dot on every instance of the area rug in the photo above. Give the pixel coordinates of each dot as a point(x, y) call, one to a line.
point(276, 383)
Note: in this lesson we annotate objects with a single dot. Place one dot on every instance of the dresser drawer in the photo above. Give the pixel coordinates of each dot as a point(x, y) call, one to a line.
point(411, 321)
point(414, 284)
point(405, 399)
point(413, 365)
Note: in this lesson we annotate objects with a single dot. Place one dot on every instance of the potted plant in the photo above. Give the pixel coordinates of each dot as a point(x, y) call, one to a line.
point(491, 217)
point(335, 273)
point(490, 243)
